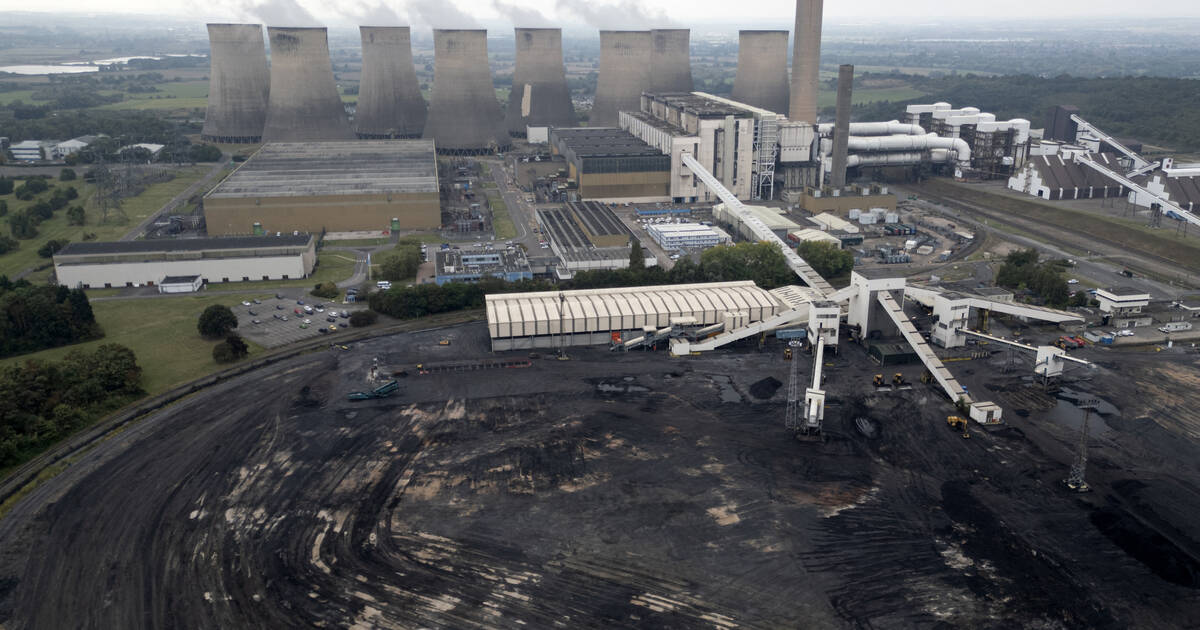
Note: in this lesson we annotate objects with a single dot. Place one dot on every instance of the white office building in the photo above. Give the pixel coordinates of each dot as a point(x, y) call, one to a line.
point(686, 235)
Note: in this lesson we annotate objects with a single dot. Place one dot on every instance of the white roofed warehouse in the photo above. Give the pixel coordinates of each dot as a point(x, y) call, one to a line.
point(602, 316)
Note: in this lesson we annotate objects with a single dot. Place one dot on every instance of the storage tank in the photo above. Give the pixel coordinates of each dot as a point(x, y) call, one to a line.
point(761, 78)
point(464, 115)
point(539, 95)
point(304, 103)
point(670, 60)
point(390, 104)
point(238, 84)
point(623, 75)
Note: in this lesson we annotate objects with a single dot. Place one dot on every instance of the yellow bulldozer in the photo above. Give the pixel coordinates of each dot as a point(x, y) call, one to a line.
point(958, 423)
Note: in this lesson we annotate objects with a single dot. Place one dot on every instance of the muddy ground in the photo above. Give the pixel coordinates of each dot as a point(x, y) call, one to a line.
point(620, 490)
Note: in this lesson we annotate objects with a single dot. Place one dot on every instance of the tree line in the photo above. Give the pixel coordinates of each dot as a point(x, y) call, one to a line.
point(1169, 119)
point(761, 262)
point(42, 401)
point(34, 317)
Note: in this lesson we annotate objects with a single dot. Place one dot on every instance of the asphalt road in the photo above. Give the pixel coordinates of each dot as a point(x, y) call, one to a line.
point(1102, 269)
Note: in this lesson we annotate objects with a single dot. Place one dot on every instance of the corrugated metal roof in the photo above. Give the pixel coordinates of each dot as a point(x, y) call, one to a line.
point(529, 311)
point(183, 244)
point(360, 167)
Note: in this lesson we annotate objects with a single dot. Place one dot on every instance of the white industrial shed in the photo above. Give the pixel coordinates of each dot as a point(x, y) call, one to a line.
point(98, 264)
point(590, 317)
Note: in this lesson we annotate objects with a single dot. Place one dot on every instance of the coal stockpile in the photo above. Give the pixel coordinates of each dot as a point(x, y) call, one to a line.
point(631, 490)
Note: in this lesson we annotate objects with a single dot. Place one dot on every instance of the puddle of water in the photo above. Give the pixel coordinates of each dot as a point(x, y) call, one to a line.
point(727, 393)
point(1066, 413)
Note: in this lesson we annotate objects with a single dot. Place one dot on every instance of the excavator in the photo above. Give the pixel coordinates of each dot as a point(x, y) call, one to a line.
point(958, 423)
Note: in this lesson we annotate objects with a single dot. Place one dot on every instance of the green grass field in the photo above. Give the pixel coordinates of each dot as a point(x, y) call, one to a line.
point(136, 209)
point(25, 96)
point(502, 223)
point(171, 95)
point(160, 331)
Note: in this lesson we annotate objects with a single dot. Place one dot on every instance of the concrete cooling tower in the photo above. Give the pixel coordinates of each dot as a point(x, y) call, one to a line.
point(539, 95)
point(624, 74)
point(304, 103)
point(464, 115)
point(806, 60)
point(761, 78)
point(671, 60)
point(238, 84)
point(390, 104)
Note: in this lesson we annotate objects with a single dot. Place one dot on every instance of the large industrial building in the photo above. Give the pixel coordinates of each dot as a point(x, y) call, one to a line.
point(329, 186)
point(587, 235)
point(452, 265)
point(609, 164)
point(598, 316)
point(148, 262)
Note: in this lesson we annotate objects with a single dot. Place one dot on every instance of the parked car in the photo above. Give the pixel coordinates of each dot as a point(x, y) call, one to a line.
point(300, 302)
point(319, 309)
point(251, 311)
point(322, 331)
point(245, 303)
point(297, 311)
point(257, 301)
point(278, 316)
point(1126, 333)
point(344, 314)
point(1072, 281)
point(279, 307)
point(278, 296)
point(332, 328)
point(308, 309)
point(307, 321)
point(256, 321)
point(304, 324)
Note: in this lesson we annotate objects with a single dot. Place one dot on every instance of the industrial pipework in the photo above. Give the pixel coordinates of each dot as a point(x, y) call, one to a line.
point(238, 84)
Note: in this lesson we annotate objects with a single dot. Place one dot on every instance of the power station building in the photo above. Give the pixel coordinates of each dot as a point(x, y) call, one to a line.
point(238, 84)
point(329, 186)
point(148, 262)
point(609, 164)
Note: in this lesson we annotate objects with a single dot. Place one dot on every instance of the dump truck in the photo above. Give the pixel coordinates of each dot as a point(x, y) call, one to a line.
point(383, 391)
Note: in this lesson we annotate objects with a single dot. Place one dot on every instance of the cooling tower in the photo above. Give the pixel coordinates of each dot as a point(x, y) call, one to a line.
point(841, 128)
point(238, 83)
point(761, 78)
point(671, 60)
point(806, 60)
point(464, 115)
point(624, 74)
point(539, 93)
point(304, 103)
point(389, 98)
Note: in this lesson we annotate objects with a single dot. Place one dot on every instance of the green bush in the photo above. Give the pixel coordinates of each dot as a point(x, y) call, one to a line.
point(363, 318)
point(327, 290)
point(67, 175)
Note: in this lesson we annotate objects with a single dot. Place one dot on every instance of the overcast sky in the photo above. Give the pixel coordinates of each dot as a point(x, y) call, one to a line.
point(602, 13)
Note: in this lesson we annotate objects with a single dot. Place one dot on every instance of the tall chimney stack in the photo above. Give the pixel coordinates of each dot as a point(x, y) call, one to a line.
point(841, 128)
point(806, 60)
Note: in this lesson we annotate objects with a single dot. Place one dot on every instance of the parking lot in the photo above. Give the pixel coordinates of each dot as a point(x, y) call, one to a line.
point(274, 331)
